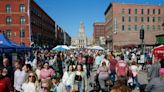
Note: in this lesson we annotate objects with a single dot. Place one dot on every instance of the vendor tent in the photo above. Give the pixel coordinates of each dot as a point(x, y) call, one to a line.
point(5, 43)
point(159, 52)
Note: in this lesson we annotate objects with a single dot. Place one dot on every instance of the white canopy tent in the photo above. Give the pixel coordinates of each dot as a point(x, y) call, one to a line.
point(97, 48)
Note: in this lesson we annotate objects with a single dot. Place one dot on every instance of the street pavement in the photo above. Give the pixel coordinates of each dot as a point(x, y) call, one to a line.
point(142, 77)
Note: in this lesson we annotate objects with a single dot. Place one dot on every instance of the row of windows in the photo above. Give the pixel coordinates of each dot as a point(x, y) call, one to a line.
point(9, 33)
point(136, 28)
point(154, 11)
point(142, 19)
point(21, 8)
point(9, 20)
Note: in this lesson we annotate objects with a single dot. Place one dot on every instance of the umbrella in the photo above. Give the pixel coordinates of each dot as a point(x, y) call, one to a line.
point(66, 47)
point(159, 52)
point(59, 48)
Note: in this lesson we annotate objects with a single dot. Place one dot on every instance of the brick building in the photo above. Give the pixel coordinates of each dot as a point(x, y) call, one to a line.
point(15, 20)
point(99, 32)
point(123, 22)
point(67, 39)
point(23, 21)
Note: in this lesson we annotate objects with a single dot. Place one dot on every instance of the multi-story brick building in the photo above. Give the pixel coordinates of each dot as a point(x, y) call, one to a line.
point(24, 21)
point(99, 32)
point(67, 39)
point(124, 21)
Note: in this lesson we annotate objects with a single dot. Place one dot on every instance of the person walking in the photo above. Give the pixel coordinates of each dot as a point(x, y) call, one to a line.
point(68, 78)
point(57, 84)
point(31, 83)
point(80, 79)
point(5, 83)
point(46, 72)
point(113, 63)
point(121, 67)
point(156, 84)
point(154, 70)
point(19, 76)
point(135, 69)
point(98, 60)
point(103, 75)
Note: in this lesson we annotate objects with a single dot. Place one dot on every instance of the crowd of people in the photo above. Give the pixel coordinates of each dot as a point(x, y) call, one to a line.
point(71, 71)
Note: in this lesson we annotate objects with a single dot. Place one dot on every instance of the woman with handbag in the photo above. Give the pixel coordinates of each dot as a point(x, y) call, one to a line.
point(80, 80)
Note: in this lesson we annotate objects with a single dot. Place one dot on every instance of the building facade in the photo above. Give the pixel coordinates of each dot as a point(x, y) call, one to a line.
point(124, 21)
point(67, 39)
point(15, 20)
point(24, 22)
point(81, 40)
point(98, 33)
point(42, 26)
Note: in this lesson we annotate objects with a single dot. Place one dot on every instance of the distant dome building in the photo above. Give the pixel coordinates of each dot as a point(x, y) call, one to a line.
point(81, 40)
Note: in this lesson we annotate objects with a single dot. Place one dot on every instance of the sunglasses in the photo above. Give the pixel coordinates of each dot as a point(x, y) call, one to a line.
point(44, 88)
point(31, 76)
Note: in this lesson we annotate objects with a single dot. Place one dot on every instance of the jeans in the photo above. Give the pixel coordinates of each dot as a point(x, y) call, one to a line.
point(136, 80)
point(113, 76)
point(79, 86)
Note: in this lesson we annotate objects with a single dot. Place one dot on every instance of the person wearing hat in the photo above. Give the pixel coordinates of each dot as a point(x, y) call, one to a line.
point(156, 84)
point(57, 85)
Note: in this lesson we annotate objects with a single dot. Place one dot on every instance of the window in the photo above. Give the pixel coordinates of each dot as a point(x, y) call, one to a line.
point(8, 20)
point(8, 33)
point(129, 27)
point(123, 10)
point(148, 28)
point(142, 11)
point(135, 11)
point(153, 19)
point(129, 19)
point(148, 19)
point(22, 33)
point(153, 28)
point(22, 8)
point(135, 27)
point(159, 27)
point(123, 28)
point(142, 27)
point(153, 11)
point(123, 19)
point(159, 11)
point(135, 18)
point(142, 19)
point(22, 20)
point(129, 11)
point(8, 8)
point(148, 11)
point(159, 19)
point(15, 34)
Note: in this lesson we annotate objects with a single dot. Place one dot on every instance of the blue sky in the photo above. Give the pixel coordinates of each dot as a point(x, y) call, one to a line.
point(69, 13)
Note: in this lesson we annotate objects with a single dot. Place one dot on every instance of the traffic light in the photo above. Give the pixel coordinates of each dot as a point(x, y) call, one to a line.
point(142, 34)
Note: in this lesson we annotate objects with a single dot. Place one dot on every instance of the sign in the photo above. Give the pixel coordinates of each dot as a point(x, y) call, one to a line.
point(142, 59)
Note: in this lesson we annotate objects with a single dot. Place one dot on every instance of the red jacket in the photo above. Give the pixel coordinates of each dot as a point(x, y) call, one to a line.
point(5, 85)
